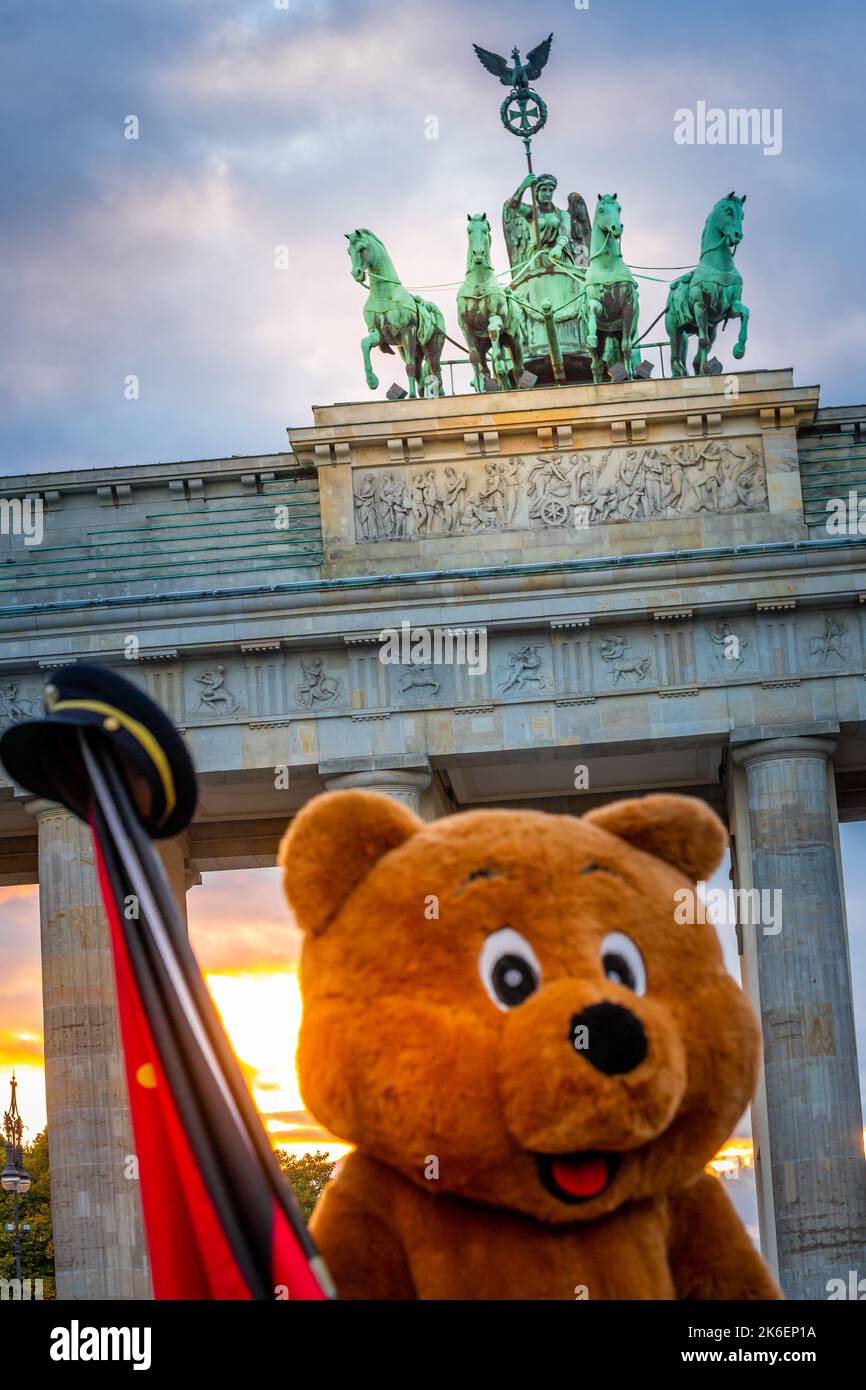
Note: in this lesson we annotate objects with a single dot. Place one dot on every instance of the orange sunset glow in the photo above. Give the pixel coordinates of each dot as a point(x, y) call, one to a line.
point(262, 1015)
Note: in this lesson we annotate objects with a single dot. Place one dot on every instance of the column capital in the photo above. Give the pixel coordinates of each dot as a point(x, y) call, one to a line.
point(793, 746)
point(405, 785)
point(42, 809)
point(392, 781)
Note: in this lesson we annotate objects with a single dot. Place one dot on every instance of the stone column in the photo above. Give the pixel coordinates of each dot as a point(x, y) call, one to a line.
point(406, 786)
point(99, 1246)
point(813, 1145)
point(175, 860)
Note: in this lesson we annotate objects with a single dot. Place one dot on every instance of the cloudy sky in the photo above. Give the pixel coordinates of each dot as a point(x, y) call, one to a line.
point(262, 127)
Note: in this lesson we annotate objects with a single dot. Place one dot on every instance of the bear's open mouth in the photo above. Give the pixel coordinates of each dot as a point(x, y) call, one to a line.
point(577, 1177)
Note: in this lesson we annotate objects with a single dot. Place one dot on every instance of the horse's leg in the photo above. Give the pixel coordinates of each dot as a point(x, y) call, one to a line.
point(591, 322)
point(596, 357)
point(497, 360)
point(674, 333)
point(699, 306)
point(629, 315)
point(516, 348)
point(373, 339)
point(513, 344)
point(677, 326)
point(433, 357)
point(739, 310)
point(409, 353)
point(513, 370)
point(485, 366)
point(678, 341)
point(475, 357)
point(633, 333)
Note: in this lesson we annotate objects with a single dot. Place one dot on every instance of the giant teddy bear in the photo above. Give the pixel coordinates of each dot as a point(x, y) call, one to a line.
point(532, 1058)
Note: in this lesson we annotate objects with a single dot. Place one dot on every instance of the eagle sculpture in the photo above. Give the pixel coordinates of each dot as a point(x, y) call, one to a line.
point(521, 74)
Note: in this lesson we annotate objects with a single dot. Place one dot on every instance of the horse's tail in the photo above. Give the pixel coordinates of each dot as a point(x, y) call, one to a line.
point(431, 320)
point(676, 306)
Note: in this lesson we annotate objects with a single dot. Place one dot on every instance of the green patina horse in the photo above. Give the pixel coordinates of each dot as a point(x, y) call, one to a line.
point(490, 319)
point(608, 305)
point(397, 318)
point(700, 301)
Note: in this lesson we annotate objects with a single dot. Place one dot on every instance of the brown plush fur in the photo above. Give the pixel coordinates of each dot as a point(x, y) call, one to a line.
point(453, 1099)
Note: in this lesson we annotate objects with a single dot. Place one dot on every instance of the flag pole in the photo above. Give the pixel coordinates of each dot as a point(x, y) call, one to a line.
point(238, 1230)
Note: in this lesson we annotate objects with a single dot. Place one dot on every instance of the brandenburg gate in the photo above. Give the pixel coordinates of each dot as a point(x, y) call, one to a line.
point(648, 570)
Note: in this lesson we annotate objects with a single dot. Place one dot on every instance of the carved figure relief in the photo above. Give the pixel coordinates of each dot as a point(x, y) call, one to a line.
point(730, 648)
point(454, 505)
point(366, 506)
point(523, 671)
point(395, 508)
point(594, 487)
point(215, 696)
point(552, 488)
point(317, 687)
point(15, 707)
point(832, 643)
point(418, 678)
point(622, 661)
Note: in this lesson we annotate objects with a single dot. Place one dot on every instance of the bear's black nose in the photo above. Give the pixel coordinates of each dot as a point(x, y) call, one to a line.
point(610, 1037)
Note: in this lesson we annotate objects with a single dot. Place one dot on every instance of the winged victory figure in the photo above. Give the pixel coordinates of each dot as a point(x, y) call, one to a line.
point(520, 74)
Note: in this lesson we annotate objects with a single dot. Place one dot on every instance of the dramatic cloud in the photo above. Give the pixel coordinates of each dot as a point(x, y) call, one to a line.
point(239, 921)
point(261, 128)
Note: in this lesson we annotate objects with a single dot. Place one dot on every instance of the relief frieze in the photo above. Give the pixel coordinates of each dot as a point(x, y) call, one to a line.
point(543, 492)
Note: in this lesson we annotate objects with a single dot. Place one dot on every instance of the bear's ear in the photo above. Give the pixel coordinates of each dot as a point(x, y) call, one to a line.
point(680, 829)
point(331, 846)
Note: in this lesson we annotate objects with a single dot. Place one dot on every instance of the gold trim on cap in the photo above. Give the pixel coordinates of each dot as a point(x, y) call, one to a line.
point(140, 734)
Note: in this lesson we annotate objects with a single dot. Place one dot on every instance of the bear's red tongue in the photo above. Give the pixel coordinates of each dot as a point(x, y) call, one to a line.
point(581, 1177)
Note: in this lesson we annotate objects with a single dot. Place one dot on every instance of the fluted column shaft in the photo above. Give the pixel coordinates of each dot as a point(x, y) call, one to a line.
point(813, 1110)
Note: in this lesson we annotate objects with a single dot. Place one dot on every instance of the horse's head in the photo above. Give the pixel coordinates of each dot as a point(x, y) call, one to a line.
point(607, 215)
point(478, 229)
point(725, 223)
point(364, 248)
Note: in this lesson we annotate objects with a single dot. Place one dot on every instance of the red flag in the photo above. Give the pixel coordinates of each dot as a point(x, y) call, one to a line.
point(219, 1218)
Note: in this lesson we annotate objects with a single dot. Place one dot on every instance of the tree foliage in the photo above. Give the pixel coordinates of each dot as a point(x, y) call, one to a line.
point(34, 1209)
point(307, 1175)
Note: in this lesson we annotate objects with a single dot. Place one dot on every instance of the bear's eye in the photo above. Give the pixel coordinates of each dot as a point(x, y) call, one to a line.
point(622, 962)
point(509, 969)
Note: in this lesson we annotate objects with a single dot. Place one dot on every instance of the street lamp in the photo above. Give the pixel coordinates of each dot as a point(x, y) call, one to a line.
point(14, 1178)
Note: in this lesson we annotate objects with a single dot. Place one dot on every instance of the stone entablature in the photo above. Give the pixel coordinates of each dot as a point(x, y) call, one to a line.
point(513, 477)
point(670, 652)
